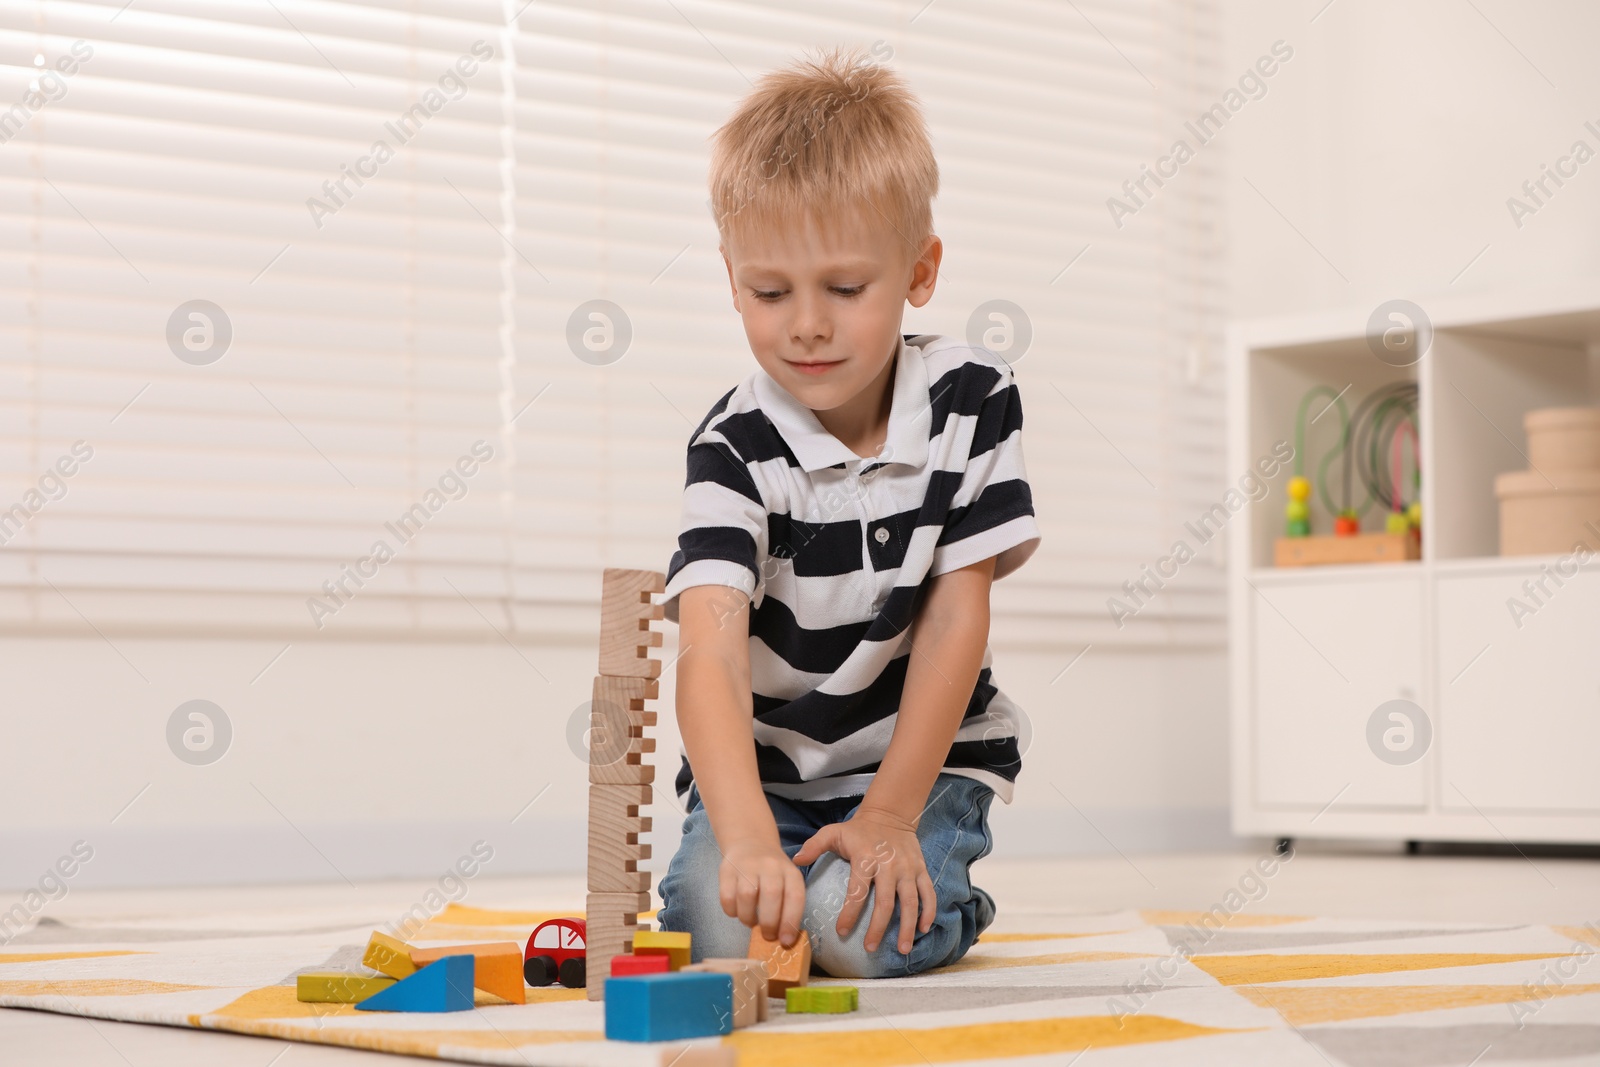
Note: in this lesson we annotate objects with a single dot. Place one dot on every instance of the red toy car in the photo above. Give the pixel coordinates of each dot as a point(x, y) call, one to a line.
point(556, 952)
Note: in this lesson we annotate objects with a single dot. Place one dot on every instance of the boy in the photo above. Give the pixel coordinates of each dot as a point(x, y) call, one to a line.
point(845, 511)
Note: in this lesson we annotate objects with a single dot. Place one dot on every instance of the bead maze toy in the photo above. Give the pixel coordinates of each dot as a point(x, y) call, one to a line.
point(1371, 445)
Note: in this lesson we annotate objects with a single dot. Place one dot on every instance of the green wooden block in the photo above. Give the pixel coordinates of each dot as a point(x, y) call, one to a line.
point(821, 999)
point(338, 987)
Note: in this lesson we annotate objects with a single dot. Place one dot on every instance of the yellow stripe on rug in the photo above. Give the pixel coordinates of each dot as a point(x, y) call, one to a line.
point(89, 987)
point(45, 957)
point(280, 1002)
point(1255, 970)
point(1302, 1006)
point(901, 1046)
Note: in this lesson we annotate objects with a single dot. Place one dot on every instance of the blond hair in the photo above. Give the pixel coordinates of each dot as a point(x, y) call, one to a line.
point(828, 135)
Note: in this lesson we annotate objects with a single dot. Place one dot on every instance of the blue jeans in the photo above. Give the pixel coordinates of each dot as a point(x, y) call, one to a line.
point(954, 832)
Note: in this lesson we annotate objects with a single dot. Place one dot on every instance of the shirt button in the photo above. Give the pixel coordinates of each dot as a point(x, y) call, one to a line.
point(882, 535)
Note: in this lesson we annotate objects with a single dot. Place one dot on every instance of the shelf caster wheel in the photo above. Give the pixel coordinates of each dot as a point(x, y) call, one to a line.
point(1283, 846)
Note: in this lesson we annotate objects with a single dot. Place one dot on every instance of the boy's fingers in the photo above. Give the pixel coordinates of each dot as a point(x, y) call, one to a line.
point(794, 907)
point(930, 900)
point(908, 915)
point(815, 845)
point(882, 911)
point(770, 904)
point(727, 889)
point(748, 895)
point(855, 897)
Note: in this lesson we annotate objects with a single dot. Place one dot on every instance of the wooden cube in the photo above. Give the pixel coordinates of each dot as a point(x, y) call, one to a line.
point(626, 613)
point(749, 987)
point(611, 920)
point(615, 850)
point(674, 945)
point(786, 967)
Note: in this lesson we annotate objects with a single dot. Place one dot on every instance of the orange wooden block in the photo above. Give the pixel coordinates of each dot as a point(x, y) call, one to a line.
point(611, 919)
point(626, 613)
point(614, 847)
point(786, 967)
point(497, 966)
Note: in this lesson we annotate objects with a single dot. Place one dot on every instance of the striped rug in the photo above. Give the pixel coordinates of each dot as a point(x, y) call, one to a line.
point(1129, 987)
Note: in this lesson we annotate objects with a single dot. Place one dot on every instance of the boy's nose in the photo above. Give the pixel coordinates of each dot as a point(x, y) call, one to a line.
point(810, 323)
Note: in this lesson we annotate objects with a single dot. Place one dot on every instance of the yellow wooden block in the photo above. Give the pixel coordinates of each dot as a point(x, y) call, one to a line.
point(338, 987)
point(673, 945)
point(497, 966)
point(389, 955)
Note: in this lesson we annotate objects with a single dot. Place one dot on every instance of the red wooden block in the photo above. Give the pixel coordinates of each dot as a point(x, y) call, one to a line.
point(630, 964)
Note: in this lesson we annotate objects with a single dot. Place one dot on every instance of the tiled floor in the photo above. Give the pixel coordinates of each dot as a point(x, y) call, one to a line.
point(1513, 889)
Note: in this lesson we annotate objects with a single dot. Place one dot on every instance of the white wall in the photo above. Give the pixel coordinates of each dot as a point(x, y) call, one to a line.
point(1392, 141)
point(469, 735)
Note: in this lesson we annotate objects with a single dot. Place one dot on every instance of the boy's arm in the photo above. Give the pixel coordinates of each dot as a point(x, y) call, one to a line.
point(757, 882)
point(947, 643)
point(880, 839)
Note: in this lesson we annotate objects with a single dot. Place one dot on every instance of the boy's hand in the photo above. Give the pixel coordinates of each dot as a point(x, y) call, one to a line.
point(883, 851)
point(759, 884)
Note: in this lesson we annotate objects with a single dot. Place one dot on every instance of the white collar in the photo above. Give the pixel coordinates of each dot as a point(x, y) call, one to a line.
point(910, 418)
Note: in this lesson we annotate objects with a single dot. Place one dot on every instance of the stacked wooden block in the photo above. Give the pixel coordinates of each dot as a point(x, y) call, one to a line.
point(620, 775)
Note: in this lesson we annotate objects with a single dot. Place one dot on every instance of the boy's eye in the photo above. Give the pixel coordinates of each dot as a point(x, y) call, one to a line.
point(769, 295)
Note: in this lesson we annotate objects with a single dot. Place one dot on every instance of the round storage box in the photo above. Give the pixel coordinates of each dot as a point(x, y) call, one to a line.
point(1540, 519)
point(1563, 439)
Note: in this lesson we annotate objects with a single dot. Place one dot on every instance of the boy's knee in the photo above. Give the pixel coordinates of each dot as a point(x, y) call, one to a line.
point(847, 956)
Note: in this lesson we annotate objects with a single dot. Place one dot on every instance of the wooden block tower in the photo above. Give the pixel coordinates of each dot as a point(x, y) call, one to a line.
point(620, 772)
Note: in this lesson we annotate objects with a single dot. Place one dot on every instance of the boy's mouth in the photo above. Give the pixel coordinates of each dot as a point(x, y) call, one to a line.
point(813, 367)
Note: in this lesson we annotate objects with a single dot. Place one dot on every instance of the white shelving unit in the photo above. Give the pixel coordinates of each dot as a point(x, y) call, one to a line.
point(1514, 711)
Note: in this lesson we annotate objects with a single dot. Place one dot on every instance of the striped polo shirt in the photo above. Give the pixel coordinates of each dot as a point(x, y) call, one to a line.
point(836, 551)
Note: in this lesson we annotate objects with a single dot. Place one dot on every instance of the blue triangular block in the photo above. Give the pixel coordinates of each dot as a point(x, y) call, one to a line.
point(445, 985)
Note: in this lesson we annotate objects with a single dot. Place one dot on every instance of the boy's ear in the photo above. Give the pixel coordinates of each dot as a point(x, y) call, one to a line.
point(925, 272)
point(733, 286)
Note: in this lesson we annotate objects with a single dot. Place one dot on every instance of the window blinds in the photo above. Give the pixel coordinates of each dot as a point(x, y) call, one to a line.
point(406, 213)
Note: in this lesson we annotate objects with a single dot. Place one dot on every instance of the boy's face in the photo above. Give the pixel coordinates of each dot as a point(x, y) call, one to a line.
point(822, 303)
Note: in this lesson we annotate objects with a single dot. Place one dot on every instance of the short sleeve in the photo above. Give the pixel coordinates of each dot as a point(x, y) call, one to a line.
point(992, 511)
point(724, 527)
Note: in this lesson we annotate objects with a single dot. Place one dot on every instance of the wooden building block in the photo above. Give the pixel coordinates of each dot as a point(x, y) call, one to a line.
point(338, 987)
point(611, 919)
point(389, 955)
point(821, 999)
point(635, 964)
point(618, 747)
point(672, 944)
point(664, 1007)
point(626, 613)
point(786, 967)
point(497, 966)
point(442, 986)
point(614, 847)
point(749, 986)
